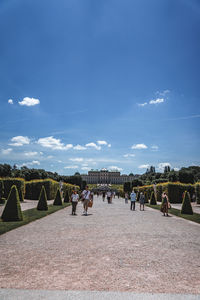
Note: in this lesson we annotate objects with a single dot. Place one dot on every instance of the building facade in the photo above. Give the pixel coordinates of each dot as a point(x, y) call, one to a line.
point(107, 177)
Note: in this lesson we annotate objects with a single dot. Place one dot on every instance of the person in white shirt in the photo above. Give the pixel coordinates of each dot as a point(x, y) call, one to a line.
point(74, 200)
point(109, 195)
point(86, 198)
point(133, 199)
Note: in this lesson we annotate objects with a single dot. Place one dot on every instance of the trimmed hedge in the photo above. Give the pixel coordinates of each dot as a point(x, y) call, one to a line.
point(42, 203)
point(18, 182)
point(33, 188)
point(153, 199)
point(58, 200)
point(12, 210)
point(66, 197)
point(197, 192)
point(186, 205)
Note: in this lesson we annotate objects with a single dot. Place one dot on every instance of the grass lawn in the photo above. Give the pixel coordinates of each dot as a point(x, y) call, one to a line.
point(174, 211)
point(30, 215)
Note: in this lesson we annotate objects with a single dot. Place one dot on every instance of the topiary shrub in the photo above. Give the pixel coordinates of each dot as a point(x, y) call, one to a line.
point(153, 199)
point(9, 182)
point(12, 210)
point(186, 205)
point(58, 200)
point(159, 192)
point(197, 192)
point(146, 197)
point(66, 198)
point(42, 203)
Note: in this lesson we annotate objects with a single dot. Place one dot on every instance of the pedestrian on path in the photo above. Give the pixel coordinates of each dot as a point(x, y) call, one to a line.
point(103, 196)
point(109, 197)
point(126, 198)
point(74, 200)
point(86, 198)
point(142, 200)
point(165, 204)
point(133, 199)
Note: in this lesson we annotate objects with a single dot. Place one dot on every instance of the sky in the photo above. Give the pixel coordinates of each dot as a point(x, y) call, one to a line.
point(90, 84)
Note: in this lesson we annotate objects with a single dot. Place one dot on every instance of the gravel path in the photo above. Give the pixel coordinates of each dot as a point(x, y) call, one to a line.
point(112, 249)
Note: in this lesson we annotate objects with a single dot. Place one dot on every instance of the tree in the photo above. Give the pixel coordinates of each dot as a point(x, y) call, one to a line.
point(12, 210)
point(42, 203)
point(186, 176)
point(127, 187)
point(186, 205)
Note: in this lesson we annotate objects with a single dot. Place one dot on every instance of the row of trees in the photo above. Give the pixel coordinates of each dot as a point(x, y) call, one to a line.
point(30, 174)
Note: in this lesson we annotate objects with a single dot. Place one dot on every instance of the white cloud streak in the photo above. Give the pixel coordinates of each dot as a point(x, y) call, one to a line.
point(71, 167)
point(129, 155)
point(161, 166)
point(156, 101)
point(29, 102)
point(102, 142)
point(19, 141)
point(53, 143)
point(31, 153)
point(93, 145)
point(145, 166)
point(6, 151)
point(79, 147)
point(76, 159)
point(115, 168)
point(10, 101)
point(142, 104)
point(139, 146)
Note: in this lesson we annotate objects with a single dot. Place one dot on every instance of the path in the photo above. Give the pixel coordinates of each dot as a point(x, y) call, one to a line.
point(113, 249)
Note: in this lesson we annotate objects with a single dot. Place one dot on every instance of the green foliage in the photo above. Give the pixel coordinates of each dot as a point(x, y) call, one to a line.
point(66, 198)
point(153, 199)
point(159, 192)
point(12, 210)
point(58, 200)
point(197, 192)
point(127, 187)
point(146, 197)
point(42, 203)
point(33, 188)
point(1, 189)
point(186, 176)
point(18, 182)
point(186, 205)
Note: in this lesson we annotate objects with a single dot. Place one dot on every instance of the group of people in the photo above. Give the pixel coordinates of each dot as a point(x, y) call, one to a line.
point(86, 197)
point(133, 200)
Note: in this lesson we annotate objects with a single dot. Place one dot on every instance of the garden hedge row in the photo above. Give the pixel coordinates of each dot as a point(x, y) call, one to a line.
point(7, 183)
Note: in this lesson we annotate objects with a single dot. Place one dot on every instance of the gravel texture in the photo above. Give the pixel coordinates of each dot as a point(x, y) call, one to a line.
point(111, 249)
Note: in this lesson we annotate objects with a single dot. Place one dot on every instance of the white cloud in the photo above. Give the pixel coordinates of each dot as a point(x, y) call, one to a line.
point(161, 166)
point(10, 101)
point(176, 169)
point(93, 145)
point(50, 156)
point(115, 168)
point(77, 159)
point(139, 146)
point(71, 167)
point(31, 153)
point(143, 166)
point(157, 101)
point(165, 92)
point(41, 153)
point(129, 155)
point(29, 101)
point(85, 168)
point(79, 147)
point(20, 141)
point(109, 145)
point(102, 142)
point(154, 148)
point(34, 162)
point(6, 151)
point(59, 161)
point(142, 104)
point(53, 143)
point(84, 165)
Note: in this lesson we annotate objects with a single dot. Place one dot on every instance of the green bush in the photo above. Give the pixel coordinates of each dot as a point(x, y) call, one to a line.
point(146, 197)
point(153, 199)
point(58, 200)
point(66, 198)
point(34, 187)
point(42, 203)
point(1, 189)
point(186, 205)
point(12, 210)
point(197, 192)
point(159, 192)
point(18, 182)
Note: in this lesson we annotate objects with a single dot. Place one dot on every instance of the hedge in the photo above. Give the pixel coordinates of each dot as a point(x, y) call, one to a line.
point(42, 201)
point(18, 182)
point(33, 188)
point(186, 205)
point(12, 210)
point(197, 192)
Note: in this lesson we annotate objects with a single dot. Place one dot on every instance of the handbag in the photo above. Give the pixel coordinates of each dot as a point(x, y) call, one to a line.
point(90, 203)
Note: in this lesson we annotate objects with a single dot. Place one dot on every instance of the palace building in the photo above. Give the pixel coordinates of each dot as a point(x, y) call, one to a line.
point(106, 177)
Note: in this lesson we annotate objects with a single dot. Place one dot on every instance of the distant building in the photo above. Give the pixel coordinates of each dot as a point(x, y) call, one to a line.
point(107, 177)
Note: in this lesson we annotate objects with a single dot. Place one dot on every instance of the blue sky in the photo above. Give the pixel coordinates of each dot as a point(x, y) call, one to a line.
point(99, 84)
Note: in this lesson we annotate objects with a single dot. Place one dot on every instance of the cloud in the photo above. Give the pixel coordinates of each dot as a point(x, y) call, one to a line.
point(30, 153)
point(71, 167)
point(29, 101)
point(143, 166)
point(129, 155)
point(79, 147)
point(34, 162)
point(102, 142)
point(157, 101)
point(93, 145)
point(84, 165)
point(176, 169)
point(115, 168)
point(139, 146)
point(161, 166)
point(154, 148)
point(85, 168)
point(20, 141)
point(53, 143)
point(142, 104)
point(164, 93)
point(10, 101)
point(6, 151)
point(109, 145)
point(77, 159)
point(50, 156)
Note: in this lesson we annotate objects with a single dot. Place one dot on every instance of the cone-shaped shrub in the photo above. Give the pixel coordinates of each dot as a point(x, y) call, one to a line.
point(12, 210)
point(58, 200)
point(146, 197)
point(42, 203)
point(138, 196)
point(153, 199)
point(186, 205)
point(21, 196)
point(66, 199)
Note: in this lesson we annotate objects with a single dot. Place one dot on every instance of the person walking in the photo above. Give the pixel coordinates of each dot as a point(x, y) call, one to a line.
point(165, 204)
point(86, 198)
point(103, 195)
point(133, 199)
point(109, 194)
point(126, 198)
point(74, 200)
point(142, 200)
